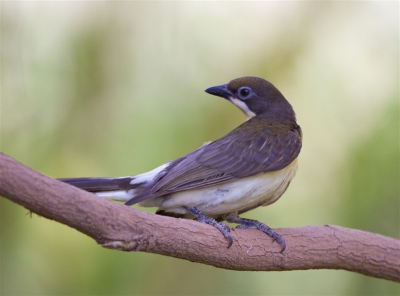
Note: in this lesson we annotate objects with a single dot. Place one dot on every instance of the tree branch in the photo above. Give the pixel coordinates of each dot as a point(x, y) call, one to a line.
point(120, 227)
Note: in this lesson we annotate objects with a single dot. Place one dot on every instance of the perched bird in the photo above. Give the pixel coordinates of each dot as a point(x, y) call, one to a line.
point(249, 167)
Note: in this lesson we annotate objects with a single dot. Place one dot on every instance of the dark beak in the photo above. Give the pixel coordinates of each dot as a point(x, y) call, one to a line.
point(220, 91)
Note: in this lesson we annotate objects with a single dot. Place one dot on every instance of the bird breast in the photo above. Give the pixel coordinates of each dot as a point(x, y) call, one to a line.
point(237, 195)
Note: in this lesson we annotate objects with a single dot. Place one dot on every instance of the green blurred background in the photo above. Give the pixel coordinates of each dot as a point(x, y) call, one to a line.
point(114, 89)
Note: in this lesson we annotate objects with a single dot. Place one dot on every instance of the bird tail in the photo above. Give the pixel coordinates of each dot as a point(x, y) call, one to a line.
point(111, 188)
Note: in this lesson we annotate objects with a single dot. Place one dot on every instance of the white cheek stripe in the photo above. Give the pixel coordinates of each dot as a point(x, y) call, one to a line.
point(242, 106)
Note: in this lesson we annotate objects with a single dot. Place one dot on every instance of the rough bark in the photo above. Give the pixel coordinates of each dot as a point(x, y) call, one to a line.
point(123, 228)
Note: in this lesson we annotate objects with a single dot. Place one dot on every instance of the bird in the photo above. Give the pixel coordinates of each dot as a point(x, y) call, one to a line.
point(249, 167)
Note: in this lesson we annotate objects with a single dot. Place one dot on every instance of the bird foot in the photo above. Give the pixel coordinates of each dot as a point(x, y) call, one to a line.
point(249, 223)
point(225, 229)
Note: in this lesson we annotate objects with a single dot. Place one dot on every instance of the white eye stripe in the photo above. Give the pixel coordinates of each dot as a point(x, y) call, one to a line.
point(242, 106)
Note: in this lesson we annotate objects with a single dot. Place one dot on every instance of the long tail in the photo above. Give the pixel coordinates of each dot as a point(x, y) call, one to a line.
point(133, 189)
point(112, 188)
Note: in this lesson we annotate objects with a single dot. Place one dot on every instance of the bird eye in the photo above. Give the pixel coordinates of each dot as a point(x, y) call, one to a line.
point(244, 91)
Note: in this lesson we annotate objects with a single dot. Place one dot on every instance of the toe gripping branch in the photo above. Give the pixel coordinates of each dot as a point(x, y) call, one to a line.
point(221, 226)
point(244, 224)
point(249, 223)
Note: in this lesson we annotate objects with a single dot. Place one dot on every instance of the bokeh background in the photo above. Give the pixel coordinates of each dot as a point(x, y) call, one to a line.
point(117, 88)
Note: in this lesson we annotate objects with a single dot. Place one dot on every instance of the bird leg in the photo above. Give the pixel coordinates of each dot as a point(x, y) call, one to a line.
point(200, 217)
point(249, 223)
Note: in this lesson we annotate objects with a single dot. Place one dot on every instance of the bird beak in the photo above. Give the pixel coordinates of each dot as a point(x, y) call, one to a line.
point(220, 91)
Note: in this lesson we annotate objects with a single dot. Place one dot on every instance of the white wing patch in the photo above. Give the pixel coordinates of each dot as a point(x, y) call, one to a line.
point(149, 176)
point(120, 195)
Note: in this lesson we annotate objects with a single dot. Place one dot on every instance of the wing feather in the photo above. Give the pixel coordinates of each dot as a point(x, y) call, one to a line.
point(253, 148)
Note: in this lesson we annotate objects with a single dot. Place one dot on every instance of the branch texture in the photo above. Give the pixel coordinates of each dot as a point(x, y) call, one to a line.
point(116, 226)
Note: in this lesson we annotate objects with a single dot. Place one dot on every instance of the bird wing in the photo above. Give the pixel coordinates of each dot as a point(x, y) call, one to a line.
point(253, 148)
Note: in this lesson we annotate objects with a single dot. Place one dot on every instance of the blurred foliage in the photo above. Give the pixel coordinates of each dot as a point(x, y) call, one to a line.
point(113, 89)
point(372, 195)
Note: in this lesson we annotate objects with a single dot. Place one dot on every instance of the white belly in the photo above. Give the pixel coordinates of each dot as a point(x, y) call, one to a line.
point(238, 195)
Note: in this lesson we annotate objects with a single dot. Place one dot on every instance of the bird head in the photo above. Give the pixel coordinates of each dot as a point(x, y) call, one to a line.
point(255, 96)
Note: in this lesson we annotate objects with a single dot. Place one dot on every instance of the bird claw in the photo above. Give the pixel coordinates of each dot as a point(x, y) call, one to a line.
point(225, 229)
point(243, 224)
point(249, 223)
